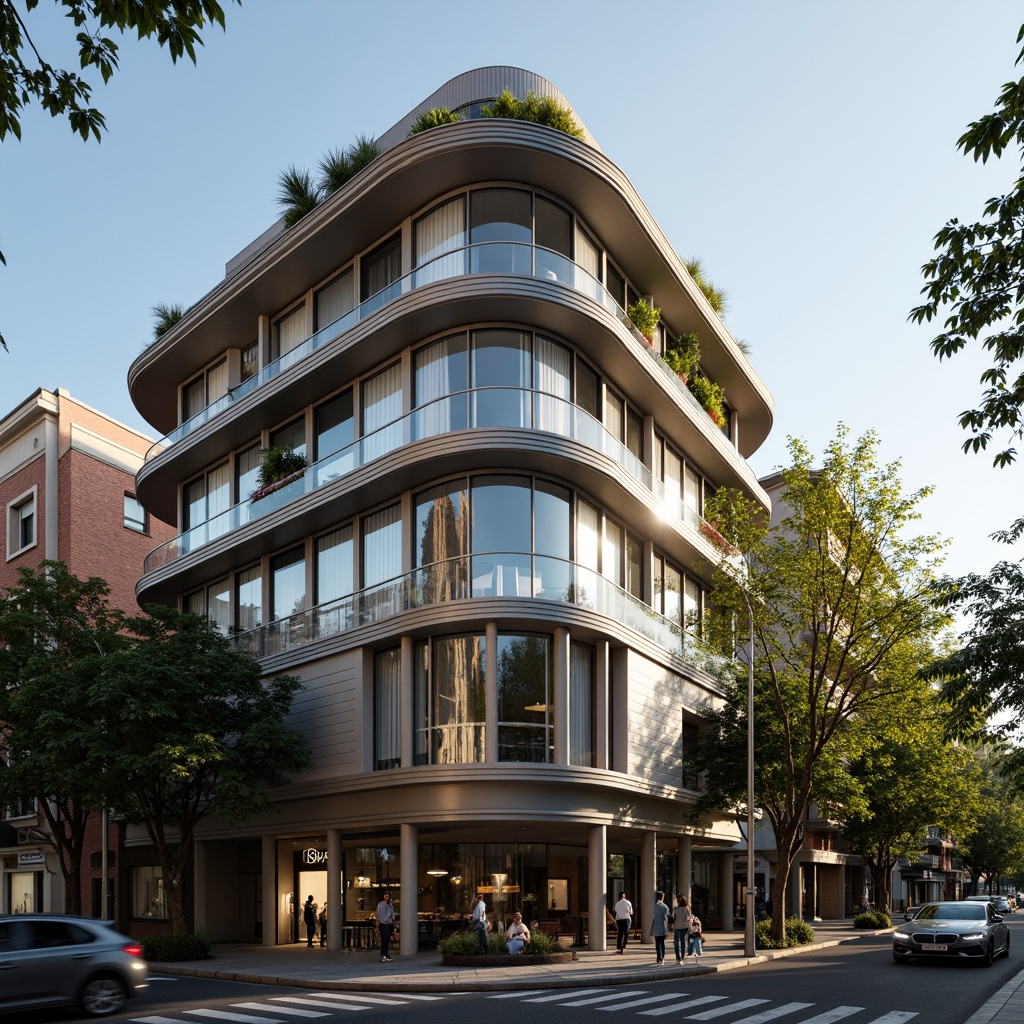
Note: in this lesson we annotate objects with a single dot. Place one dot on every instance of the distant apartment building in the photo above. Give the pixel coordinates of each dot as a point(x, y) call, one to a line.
point(492, 576)
point(67, 492)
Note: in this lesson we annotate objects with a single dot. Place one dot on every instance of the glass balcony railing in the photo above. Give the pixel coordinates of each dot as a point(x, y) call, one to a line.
point(515, 258)
point(501, 574)
point(517, 408)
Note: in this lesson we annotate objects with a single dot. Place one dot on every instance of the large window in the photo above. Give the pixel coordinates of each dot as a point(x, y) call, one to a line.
point(441, 369)
point(501, 536)
point(205, 389)
point(382, 405)
point(525, 709)
point(450, 700)
point(205, 498)
point(289, 332)
point(501, 360)
point(334, 565)
point(21, 523)
point(336, 299)
point(249, 598)
point(135, 518)
point(442, 534)
point(387, 709)
point(581, 705)
point(382, 546)
point(440, 232)
point(381, 267)
point(334, 431)
point(214, 602)
point(148, 896)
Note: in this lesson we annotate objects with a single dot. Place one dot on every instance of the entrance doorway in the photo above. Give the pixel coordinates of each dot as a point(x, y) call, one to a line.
point(310, 883)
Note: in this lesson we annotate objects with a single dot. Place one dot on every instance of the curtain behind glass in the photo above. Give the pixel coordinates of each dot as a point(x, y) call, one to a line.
point(552, 374)
point(382, 546)
point(387, 709)
point(249, 583)
point(218, 605)
point(193, 399)
point(581, 705)
point(289, 332)
point(440, 231)
point(335, 300)
point(381, 267)
point(382, 404)
point(334, 565)
point(216, 382)
point(218, 499)
point(441, 370)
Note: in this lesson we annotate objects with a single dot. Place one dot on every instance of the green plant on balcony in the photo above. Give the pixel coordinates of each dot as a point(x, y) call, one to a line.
point(435, 117)
point(278, 467)
point(644, 317)
point(299, 192)
point(538, 109)
point(165, 316)
point(682, 356)
point(710, 395)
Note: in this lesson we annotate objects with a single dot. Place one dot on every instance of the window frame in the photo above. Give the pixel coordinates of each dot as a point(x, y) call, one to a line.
point(16, 522)
point(140, 526)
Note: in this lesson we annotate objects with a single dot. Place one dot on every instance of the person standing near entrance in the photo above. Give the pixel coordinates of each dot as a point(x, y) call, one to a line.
point(386, 926)
point(309, 920)
point(480, 923)
point(659, 926)
point(623, 920)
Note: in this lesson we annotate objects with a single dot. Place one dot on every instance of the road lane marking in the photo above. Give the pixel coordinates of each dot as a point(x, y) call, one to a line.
point(239, 1018)
point(830, 1016)
point(896, 1017)
point(675, 1007)
point(723, 1010)
point(775, 1011)
point(291, 1011)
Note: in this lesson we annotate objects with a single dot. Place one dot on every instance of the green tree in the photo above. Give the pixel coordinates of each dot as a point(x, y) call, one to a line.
point(27, 76)
point(994, 847)
point(977, 281)
point(911, 779)
point(55, 631)
point(189, 730)
point(837, 594)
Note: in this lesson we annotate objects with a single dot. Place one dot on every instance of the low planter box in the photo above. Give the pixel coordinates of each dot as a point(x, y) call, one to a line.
point(517, 960)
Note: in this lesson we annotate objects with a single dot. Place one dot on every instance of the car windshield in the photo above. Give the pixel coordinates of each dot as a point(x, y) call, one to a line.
point(953, 912)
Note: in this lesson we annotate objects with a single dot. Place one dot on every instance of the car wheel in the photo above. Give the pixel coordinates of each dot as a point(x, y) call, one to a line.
point(990, 953)
point(103, 995)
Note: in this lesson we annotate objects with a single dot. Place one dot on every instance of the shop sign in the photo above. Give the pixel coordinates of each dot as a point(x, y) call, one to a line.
point(314, 857)
point(32, 859)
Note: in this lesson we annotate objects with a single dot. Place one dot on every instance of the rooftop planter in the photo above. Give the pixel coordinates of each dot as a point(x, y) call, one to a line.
point(435, 117)
point(538, 109)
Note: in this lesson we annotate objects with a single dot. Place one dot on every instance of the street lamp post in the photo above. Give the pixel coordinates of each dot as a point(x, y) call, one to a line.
point(748, 930)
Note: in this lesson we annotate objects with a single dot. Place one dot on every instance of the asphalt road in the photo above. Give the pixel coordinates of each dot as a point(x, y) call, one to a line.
point(855, 983)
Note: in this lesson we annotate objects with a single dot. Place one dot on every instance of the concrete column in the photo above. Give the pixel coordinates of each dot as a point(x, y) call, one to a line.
point(684, 867)
point(491, 695)
point(409, 940)
point(406, 704)
point(335, 907)
point(620, 713)
point(648, 874)
point(601, 725)
point(199, 848)
point(268, 859)
point(727, 867)
point(560, 696)
point(597, 872)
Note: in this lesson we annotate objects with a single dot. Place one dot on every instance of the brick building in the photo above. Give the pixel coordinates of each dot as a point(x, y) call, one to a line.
point(67, 492)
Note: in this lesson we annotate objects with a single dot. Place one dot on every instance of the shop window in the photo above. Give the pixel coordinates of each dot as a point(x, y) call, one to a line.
point(148, 896)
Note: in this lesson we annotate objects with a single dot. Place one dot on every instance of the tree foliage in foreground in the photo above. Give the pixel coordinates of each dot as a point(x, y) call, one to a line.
point(983, 680)
point(911, 779)
point(55, 630)
point(838, 598)
point(27, 76)
point(977, 281)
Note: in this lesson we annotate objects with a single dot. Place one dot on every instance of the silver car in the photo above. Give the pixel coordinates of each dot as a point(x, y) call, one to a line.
point(53, 960)
point(967, 929)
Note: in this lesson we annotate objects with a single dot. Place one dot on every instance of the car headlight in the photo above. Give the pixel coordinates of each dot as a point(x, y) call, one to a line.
point(973, 936)
point(905, 936)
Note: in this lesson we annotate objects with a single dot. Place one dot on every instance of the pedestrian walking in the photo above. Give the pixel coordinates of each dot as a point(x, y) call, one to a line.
point(623, 922)
point(386, 926)
point(659, 926)
point(480, 922)
point(696, 933)
point(680, 927)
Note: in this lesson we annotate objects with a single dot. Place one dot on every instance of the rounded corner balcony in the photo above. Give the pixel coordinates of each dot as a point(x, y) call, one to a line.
point(405, 180)
point(504, 576)
point(491, 262)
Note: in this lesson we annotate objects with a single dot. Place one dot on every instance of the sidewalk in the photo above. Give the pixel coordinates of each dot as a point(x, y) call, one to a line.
point(360, 969)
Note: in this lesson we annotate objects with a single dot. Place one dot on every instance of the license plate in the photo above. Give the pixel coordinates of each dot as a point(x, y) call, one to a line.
point(934, 947)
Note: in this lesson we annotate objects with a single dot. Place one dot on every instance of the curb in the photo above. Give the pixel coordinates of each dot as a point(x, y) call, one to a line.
point(581, 977)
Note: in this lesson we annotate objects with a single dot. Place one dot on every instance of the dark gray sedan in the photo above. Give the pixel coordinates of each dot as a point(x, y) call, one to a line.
point(965, 930)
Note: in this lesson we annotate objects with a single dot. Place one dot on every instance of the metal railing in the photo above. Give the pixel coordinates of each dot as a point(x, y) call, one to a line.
point(519, 408)
point(489, 575)
point(516, 258)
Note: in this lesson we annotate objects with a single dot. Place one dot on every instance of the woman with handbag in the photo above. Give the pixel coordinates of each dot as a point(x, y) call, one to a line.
point(681, 927)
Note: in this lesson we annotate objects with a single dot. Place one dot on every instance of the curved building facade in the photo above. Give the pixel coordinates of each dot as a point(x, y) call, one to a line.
point(491, 576)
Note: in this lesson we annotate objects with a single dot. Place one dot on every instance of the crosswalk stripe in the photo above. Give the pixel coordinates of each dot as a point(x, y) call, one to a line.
point(516, 995)
point(775, 1011)
point(291, 1011)
point(318, 1002)
point(896, 1017)
point(564, 995)
point(352, 997)
point(239, 1018)
point(649, 999)
point(153, 1020)
point(830, 1016)
point(676, 1007)
point(603, 999)
point(723, 1010)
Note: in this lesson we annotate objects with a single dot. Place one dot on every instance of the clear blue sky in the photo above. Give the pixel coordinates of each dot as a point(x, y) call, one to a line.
point(805, 151)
